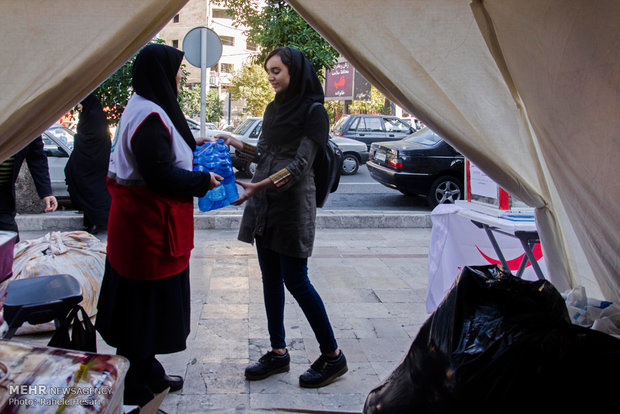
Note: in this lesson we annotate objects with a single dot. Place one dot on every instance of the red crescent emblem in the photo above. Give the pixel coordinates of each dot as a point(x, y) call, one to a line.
point(514, 263)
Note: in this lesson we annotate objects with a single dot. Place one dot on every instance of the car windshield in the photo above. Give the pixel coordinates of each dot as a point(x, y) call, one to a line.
point(338, 125)
point(62, 133)
point(424, 137)
point(241, 129)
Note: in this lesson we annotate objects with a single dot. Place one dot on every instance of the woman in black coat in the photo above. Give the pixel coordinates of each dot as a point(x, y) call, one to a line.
point(280, 215)
point(87, 168)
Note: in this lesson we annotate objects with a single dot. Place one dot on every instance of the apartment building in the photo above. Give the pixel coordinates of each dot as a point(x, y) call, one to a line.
point(235, 48)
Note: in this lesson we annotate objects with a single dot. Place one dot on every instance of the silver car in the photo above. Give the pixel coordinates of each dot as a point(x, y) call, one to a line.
point(58, 144)
point(355, 152)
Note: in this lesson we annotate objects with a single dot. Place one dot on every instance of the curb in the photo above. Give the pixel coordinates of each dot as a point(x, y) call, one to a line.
point(218, 220)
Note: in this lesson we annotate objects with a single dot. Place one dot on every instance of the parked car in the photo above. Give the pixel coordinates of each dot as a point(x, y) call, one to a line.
point(371, 128)
point(210, 128)
point(355, 153)
point(248, 131)
point(420, 164)
point(58, 144)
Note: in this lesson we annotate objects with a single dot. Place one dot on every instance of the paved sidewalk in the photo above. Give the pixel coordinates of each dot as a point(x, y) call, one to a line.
point(373, 283)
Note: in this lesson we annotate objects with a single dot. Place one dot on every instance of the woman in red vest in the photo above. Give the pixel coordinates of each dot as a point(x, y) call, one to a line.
point(144, 303)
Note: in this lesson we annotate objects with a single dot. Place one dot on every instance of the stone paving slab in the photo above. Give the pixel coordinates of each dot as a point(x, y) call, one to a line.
point(373, 283)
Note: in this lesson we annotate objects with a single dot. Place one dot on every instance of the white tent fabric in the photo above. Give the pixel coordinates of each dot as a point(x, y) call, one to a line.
point(529, 90)
point(526, 89)
point(54, 53)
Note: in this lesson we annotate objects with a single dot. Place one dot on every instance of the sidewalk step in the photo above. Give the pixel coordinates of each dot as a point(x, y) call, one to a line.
point(230, 220)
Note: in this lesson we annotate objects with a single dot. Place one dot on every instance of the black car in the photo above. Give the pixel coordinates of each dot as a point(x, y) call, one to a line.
point(421, 164)
point(371, 128)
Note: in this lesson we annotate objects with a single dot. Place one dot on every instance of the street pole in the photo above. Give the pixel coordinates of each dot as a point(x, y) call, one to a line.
point(203, 80)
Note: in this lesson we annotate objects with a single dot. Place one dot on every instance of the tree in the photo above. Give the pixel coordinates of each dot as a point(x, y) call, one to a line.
point(250, 85)
point(189, 99)
point(278, 24)
point(115, 91)
point(377, 104)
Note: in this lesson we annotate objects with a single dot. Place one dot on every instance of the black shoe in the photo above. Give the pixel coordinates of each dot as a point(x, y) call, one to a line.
point(175, 382)
point(324, 371)
point(269, 364)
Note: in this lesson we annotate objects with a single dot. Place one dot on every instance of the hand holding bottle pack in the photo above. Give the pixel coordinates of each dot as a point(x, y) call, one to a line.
point(215, 157)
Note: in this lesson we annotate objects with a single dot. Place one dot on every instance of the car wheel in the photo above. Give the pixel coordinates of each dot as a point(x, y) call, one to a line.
point(445, 189)
point(350, 164)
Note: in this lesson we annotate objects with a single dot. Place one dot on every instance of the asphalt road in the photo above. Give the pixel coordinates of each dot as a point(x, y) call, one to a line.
point(361, 192)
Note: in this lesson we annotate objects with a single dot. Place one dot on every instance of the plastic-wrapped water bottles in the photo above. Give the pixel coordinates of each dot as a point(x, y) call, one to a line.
point(214, 157)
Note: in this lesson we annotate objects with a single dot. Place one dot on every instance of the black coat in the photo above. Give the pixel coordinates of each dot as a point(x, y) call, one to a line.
point(87, 169)
point(35, 157)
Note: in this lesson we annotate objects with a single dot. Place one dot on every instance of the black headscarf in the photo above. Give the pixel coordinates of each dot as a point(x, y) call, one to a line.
point(154, 78)
point(285, 117)
point(93, 136)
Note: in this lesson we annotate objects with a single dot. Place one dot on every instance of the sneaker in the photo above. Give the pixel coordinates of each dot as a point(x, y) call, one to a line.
point(324, 371)
point(269, 364)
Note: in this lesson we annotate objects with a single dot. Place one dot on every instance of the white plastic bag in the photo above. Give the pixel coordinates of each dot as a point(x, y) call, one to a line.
point(600, 315)
point(78, 253)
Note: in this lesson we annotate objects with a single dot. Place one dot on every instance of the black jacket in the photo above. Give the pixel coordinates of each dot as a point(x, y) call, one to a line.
point(36, 159)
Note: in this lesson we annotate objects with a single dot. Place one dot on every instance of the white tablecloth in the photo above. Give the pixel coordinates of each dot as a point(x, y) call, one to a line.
point(456, 242)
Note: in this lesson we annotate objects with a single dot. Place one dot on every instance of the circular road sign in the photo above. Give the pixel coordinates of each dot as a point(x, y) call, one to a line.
point(192, 46)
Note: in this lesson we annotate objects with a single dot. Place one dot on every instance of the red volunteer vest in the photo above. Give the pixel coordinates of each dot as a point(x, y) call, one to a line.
point(149, 236)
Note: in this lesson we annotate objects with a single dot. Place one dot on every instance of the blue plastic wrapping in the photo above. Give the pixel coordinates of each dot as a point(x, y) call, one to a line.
point(215, 157)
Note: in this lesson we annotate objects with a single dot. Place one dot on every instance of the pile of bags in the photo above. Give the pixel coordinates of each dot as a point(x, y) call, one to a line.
point(78, 254)
point(500, 344)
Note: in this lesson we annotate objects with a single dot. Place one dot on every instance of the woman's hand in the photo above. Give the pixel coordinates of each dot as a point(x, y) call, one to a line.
point(204, 140)
point(251, 189)
point(215, 180)
point(230, 140)
point(51, 204)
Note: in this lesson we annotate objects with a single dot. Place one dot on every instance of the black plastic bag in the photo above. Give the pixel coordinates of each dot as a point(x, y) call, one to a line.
point(76, 334)
point(499, 344)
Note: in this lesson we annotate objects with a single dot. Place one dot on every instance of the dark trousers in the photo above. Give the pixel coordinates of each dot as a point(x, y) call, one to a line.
point(7, 210)
point(144, 379)
point(278, 271)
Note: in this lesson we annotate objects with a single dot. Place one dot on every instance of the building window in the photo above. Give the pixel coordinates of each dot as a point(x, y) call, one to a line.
point(228, 40)
point(175, 43)
point(251, 46)
point(227, 67)
point(176, 19)
point(221, 14)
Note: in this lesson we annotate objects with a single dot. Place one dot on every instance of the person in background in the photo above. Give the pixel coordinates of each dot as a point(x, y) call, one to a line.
point(35, 157)
point(281, 212)
point(87, 168)
point(144, 302)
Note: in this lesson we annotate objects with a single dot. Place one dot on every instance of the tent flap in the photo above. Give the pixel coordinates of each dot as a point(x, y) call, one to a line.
point(529, 91)
point(55, 53)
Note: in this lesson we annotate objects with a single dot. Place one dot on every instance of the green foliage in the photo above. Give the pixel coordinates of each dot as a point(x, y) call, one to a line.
point(115, 91)
point(250, 85)
point(278, 24)
point(189, 99)
point(377, 104)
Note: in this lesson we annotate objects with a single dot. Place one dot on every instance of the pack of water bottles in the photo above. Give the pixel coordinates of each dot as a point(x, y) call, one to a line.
point(215, 157)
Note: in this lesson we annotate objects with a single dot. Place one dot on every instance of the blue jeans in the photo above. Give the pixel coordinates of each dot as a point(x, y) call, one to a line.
point(278, 271)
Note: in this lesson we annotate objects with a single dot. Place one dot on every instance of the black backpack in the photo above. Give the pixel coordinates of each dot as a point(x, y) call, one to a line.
point(327, 167)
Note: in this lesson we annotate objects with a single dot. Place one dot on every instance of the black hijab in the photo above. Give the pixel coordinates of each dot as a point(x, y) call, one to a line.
point(154, 78)
point(91, 143)
point(285, 117)
point(93, 123)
